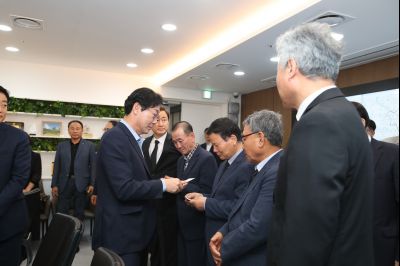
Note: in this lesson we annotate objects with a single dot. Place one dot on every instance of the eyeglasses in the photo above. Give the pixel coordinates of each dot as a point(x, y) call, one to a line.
point(247, 135)
point(155, 115)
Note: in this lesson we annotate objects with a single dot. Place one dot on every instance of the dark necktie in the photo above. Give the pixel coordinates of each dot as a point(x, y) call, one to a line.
point(226, 167)
point(253, 175)
point(153, 156)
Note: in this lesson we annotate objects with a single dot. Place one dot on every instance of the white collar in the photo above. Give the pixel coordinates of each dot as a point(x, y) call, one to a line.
point(261, 164)
point(160, 139)
point(310, 98)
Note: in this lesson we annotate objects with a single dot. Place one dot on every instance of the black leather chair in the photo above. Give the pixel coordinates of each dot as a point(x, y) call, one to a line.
point(60, 243)
point(106, 257)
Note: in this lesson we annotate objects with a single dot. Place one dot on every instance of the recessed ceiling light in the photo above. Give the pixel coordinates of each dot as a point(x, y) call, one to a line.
point(169, 27)
point(337, 36)
point(12, 49)
point(274, 59)
point(147, 51)
point(5, 28)
point(131, 65)
point(239, 73)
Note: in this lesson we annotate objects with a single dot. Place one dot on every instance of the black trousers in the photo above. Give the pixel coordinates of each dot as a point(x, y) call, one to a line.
point(10, 250)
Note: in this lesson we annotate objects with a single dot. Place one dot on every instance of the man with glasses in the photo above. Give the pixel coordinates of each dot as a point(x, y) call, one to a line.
point(125, 216)
point(15, 164)
point(242, 240)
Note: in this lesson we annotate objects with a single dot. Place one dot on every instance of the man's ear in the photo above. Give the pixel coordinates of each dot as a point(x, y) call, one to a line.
point(136, 108)
point(291, 67)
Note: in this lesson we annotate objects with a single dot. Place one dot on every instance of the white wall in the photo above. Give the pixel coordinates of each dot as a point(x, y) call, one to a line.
point(200, 116)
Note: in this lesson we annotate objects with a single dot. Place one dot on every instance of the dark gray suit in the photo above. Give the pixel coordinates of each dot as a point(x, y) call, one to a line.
point(323, 199)
point(246, 232)
point(386, 202)
point(227, 189)
point(84, 174)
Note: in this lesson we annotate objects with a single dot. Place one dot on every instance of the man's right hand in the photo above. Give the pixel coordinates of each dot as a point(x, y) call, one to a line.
point(54, 192)
point(172, 184)
point(93, 200)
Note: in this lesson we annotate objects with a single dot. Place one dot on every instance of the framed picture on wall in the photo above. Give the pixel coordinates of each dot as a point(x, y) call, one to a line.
point(51, 128)
point(19, 125)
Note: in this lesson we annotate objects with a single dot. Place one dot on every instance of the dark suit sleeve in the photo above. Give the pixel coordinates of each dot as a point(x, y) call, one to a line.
point(36, 169)
point(57, 167)
point(92, 154)
point(20, 169)
point(203, 182)
point(123, 178)
point(220, 209)
point(317, 171)
point(254, 230)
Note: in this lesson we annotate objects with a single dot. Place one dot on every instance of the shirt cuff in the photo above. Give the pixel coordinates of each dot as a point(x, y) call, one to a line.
point(164, 187)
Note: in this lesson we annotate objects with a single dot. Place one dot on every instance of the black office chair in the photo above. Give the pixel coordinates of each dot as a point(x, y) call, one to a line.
point(59, 245)
point(106, 257)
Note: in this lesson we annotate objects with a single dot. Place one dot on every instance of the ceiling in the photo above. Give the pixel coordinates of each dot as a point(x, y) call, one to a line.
point(106, 35)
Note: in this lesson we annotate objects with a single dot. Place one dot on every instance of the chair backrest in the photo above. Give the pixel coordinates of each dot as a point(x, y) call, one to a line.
point(106, 257)
point(60, 242)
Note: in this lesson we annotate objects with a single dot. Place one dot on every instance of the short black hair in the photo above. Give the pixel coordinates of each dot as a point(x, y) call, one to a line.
point(205, 130)
point(146, 97)
point(75, 121)
point(113, 122)
point(5, 92)
point(162, 108)
point(186, 126)
point(372, 124)
point(362, 112)
point(225, 127)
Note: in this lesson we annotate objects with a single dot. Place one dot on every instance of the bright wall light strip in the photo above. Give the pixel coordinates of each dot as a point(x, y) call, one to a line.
point(266, 17)
point(12, 49)
point(5, 28)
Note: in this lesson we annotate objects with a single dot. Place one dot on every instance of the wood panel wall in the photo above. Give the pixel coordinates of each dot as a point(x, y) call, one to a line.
point(269, 98)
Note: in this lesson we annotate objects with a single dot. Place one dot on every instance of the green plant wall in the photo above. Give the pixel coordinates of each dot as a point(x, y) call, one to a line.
point(62, 108)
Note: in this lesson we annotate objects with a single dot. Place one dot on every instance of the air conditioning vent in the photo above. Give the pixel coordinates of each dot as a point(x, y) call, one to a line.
point(27, 23)
point(226, 66)
point(332, 18)
point(270, 80)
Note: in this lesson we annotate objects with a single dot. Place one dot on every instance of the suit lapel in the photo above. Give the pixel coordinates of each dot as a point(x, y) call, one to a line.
point(165, 150)
point(135, 145)
point(218, 177)
point(326, 95)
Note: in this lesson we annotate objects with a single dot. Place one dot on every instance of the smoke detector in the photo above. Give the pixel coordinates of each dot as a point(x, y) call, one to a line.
point(27, 23)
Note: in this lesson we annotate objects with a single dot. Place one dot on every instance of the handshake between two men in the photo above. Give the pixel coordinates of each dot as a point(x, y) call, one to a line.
point(174, 185)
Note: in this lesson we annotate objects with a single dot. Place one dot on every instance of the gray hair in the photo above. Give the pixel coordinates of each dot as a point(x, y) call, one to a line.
point(267, 122)
point(315, 51)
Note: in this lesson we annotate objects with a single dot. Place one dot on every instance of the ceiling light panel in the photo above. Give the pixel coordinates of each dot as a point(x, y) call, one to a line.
point(147, 50)
point(12, 49)
point(169, 27)
point(5, 28)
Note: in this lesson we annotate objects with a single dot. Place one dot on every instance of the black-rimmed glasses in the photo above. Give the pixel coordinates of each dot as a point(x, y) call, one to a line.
point(247, 135)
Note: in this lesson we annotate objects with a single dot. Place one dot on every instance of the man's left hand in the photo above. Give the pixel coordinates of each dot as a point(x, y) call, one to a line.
point(89, 190)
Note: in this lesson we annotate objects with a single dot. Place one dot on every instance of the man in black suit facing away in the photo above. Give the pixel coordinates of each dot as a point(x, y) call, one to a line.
point(324, 192)
point(386, 196)
point(15, 164)
point(161, 157)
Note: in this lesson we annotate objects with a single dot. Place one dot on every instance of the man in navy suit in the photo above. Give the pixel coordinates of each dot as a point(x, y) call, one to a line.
point(161, 157)
point(200, 165)
point(324, 193)
point(243, 238)
point(125, 215)
point(230, 181)
point(386, 196)
point(74, 171)
point(15, 163)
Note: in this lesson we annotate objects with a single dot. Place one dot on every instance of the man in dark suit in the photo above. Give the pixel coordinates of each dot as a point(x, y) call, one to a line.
point(230, 181)
point(386, 196)
point(161, 157)
point(243, 238)
point(200, 166)
point(15, 162)
point(208, 146)
point(125, 216)
point(323, 198)
point(74, 171)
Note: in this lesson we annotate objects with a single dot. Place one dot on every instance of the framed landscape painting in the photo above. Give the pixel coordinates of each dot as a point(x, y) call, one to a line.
point(19, 125)
point(51, 128)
